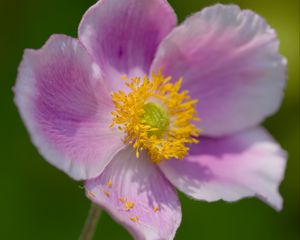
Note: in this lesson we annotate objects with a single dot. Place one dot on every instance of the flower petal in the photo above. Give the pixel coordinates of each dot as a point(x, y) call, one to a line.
point(66, 108)
point(138, 196)
point(247, 164)
point(123, 35)
point(229, 60)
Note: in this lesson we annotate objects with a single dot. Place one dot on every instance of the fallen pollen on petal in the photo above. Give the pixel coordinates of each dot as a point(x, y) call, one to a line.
point(109, 183)
point(156, 208)
point(128, 205)
point(122, 200)
point(106, 193)
point(90, 194)
point(134, 219)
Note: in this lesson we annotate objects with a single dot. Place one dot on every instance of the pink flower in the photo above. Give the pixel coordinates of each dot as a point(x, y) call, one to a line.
point(125, 137)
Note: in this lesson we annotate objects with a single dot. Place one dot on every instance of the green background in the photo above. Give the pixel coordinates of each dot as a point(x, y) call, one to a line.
point(39, 202)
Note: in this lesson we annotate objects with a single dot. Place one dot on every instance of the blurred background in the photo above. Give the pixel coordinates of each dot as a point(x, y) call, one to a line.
point(39, 202)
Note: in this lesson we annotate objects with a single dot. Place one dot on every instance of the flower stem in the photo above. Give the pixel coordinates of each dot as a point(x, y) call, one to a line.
point(90, 225)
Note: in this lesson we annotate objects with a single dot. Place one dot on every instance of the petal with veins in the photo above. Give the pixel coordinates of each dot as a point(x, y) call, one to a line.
point(246, 164)
point(66, 107)
point(229, 61)
point(139, 196)
point(123, 35)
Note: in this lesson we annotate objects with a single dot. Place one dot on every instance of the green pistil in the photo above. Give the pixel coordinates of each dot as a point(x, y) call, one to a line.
point(155, 117)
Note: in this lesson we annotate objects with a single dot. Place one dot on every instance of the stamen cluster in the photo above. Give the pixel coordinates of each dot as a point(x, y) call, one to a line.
point(161, 141)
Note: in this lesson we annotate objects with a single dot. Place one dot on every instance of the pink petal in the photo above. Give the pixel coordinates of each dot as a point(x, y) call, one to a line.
point(229, 60)
point(123, 35)
point(247, 164)
point(66, 108)
point(156, 213)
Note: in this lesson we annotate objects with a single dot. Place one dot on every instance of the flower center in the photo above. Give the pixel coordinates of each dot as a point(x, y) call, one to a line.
point(155, 116)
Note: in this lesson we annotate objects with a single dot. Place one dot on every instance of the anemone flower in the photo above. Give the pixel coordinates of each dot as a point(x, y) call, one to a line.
point(137, 107)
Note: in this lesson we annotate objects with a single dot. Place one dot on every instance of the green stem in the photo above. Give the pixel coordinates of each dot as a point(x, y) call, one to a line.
point(90, 225)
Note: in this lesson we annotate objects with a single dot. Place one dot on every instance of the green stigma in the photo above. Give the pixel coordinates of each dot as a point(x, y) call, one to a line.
point(156, 118)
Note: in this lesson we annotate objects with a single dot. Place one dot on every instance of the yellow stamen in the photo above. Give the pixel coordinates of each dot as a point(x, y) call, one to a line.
point(124, 77)
point(156, 117)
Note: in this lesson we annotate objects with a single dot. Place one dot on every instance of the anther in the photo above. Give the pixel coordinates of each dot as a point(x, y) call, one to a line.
point(128, 205)
point(109, 183)
point(156, 208)
point(134, 219)
point(90, 194)
point(106, 193)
